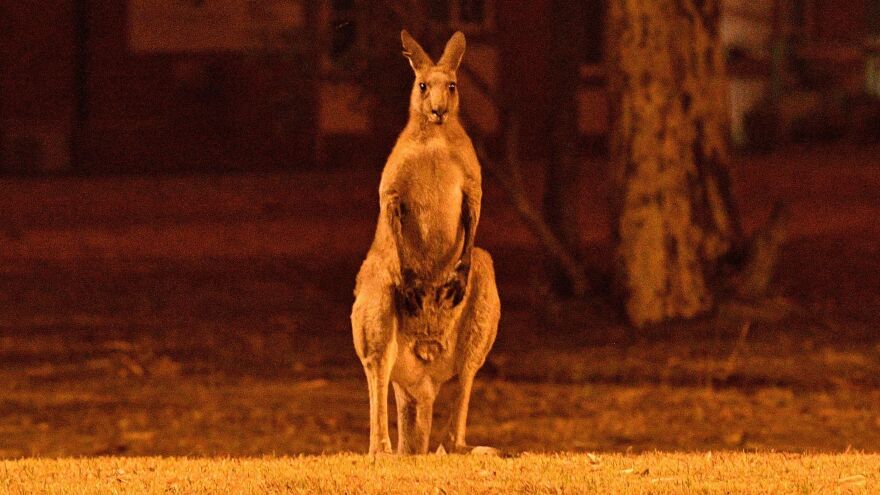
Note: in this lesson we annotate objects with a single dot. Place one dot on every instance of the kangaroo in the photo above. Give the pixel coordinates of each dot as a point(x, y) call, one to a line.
point(426, 306)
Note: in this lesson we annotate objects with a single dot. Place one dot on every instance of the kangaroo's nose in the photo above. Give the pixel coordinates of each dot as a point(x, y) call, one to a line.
point(439, 112)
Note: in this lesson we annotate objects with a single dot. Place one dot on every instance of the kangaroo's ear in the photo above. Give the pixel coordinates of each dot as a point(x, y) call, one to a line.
point(454, 51)
point(418, 59)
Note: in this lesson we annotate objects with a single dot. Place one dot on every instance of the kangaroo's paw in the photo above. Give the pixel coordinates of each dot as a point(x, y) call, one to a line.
point(453, 290)
point(410, 294)
point(381, 447)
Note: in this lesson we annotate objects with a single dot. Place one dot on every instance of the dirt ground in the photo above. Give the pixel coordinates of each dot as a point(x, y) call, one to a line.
point(208, 315)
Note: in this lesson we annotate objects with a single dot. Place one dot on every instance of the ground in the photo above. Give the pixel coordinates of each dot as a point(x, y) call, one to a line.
point(710, 473)
point(208, 316)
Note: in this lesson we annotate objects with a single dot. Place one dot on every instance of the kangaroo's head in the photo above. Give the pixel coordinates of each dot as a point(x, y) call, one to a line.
point(434, 96)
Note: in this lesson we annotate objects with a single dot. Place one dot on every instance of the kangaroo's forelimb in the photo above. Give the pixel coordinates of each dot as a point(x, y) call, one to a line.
point(454, 289)
point(410, 294)
point(393, 214)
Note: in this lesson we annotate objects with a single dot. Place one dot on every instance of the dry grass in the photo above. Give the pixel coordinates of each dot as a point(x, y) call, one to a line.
point(658, 473)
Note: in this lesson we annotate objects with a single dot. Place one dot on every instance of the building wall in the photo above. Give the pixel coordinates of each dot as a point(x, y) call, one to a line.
point(210, 97)
point(170, 86)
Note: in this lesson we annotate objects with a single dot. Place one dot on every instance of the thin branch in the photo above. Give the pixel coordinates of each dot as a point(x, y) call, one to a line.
point(512, 184)
point(734, 353)
point(763, 256)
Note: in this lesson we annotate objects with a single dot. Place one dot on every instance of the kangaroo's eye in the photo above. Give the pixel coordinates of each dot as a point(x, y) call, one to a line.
point(423, 87)
point(452, 87)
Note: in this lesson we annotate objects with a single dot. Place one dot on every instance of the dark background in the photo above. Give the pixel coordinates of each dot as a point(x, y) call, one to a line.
point(277, 84)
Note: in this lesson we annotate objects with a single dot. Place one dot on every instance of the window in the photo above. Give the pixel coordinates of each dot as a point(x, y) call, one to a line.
point(343, 29)
point(594, 34)
point(343, 39)
point(472, 15)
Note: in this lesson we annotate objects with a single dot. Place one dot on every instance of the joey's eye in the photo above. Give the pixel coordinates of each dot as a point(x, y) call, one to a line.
point(423, 87)
point(452, 87)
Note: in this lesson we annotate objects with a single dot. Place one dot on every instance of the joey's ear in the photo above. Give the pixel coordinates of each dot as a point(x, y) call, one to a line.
point(454, 51)
point(418, 59)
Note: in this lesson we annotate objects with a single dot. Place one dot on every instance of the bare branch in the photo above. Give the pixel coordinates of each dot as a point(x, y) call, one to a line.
point(511, 181)
point(763, 256)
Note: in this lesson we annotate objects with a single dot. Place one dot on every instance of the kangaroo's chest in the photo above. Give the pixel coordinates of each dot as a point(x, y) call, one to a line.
point(430, 190)
point(432, 197)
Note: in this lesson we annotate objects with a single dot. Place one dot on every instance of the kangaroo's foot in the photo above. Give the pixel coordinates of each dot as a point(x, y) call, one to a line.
point(485, 450)
point(378, 371)
point(468, 449)
point(414, 416)
point(382, 447)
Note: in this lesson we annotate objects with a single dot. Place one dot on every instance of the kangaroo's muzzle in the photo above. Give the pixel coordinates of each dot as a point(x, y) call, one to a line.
point(438, 115)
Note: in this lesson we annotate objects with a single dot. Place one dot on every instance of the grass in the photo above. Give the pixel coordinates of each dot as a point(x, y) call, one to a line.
point(657, 473)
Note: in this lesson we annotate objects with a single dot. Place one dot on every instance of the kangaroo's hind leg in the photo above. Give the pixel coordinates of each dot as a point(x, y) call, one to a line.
point(480, 326)
point(374, 331)
point(455, 442)
point(414, 416)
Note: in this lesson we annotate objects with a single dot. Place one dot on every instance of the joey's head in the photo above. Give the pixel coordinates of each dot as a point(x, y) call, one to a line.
point(434, 96)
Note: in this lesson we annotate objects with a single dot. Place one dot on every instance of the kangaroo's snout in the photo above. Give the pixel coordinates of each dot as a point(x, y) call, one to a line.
point(438, 102)
point(439, 114)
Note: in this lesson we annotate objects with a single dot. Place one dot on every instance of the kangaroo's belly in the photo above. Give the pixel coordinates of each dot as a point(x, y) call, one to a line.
point(431, 221)
point(411, 366)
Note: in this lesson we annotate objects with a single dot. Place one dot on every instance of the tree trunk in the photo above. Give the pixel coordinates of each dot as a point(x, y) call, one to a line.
point(563, 161)
point(673, 214)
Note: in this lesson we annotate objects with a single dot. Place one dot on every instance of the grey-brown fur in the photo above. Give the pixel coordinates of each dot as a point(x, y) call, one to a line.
point(426, 306)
